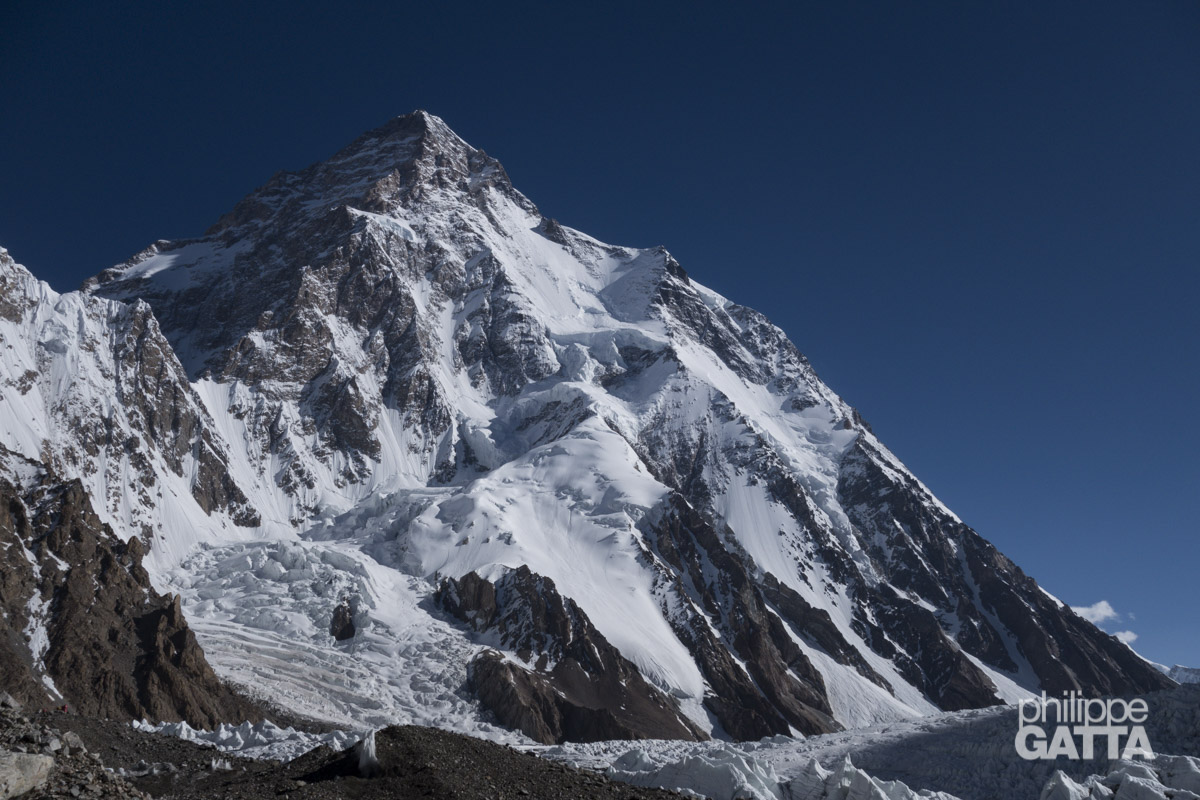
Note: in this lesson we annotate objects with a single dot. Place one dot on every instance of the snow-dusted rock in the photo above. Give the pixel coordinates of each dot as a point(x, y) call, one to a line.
point(1132, 787)
point(1179, 673)
point(725, 772)
point(1061, 787)
point(847, 782)
point(99, 637)
point(93, 390)
point(567, 682)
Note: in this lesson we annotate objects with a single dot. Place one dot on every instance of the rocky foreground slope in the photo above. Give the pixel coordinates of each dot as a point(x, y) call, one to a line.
point(385, 420)
point(63, 756)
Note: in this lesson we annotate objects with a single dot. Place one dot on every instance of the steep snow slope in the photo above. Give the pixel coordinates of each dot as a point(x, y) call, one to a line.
point(397, 365)
point(93, 390)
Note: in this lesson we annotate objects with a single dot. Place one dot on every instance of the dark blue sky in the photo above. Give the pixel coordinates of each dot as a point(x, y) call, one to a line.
point(980, 221)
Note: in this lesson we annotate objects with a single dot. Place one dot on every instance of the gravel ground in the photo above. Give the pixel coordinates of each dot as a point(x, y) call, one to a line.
point(78, 772)
point(412, 762)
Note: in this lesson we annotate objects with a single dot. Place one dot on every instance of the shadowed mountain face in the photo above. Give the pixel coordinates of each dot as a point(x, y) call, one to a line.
point(393, 355)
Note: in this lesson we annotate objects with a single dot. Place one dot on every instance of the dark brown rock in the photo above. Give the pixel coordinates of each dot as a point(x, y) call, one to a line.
point(926, 552)
point(779, 687)
point(341, 627)
point(816, 625)
point(114, 647)
point(576, 686)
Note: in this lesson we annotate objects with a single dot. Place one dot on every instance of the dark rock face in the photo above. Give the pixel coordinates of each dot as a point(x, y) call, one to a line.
point(166, 412)
point(924, 655)
point(1061, 646)
point(14, 301)
point(815, 625)
point(341, 627)
point(16, 581)
point(110, 644)
point(578, 687)
point(779, 687)
point(976, 589)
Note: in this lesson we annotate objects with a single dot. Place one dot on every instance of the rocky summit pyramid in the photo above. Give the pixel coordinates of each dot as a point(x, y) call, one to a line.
point(410, 451)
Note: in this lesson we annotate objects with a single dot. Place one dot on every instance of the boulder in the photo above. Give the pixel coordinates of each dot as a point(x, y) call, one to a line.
point(342, 625)
point(21, 773)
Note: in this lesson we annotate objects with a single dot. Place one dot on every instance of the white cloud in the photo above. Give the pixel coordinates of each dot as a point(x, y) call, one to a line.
point(1102, 612)
point(1096, 614)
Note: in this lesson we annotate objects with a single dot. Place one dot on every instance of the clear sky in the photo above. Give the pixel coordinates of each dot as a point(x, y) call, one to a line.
point(981, 221)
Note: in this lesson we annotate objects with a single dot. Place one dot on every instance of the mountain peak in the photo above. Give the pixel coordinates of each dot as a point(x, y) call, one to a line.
point(394, 344)
point(399, 163)
point(19, 289)
point(6, 260)
point(420, 122)
point(406, 136)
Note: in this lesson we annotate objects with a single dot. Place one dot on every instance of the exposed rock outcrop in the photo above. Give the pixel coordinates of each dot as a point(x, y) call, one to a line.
point(22, 772)
point(81, 623)
point(778, 686)
point(341, 626)
point(93, 389)
point(572, 685)
point(974, 591)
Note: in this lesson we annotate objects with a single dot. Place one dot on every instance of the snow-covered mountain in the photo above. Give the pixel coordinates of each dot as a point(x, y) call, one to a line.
point(1179, 673)
point(386, 390)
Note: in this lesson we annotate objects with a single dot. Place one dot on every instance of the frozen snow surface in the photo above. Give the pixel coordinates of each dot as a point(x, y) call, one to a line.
point(1175, 777)
point(262, 611)
point(967, 754)
point(263, 740)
